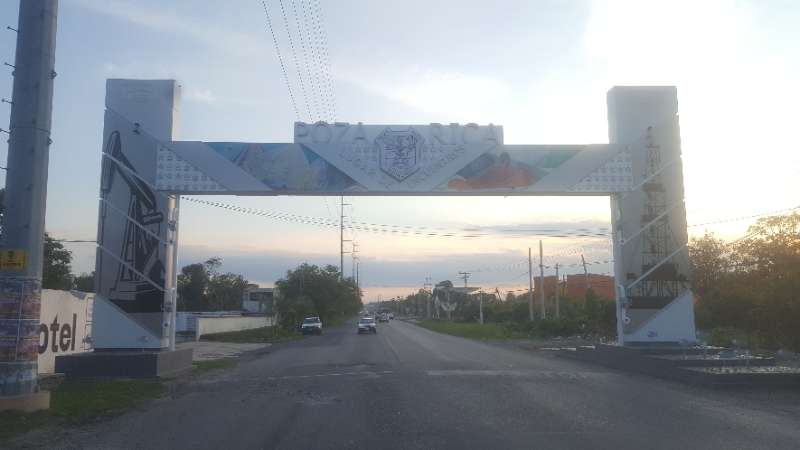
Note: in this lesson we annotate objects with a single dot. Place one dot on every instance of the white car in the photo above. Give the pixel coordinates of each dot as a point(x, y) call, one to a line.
point(367, 325)
point(311, 325)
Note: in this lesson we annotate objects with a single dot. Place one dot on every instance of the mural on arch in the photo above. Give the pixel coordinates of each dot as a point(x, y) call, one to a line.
point(409, 159)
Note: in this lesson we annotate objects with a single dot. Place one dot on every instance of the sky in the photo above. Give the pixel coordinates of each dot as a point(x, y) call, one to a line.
point(539, 68)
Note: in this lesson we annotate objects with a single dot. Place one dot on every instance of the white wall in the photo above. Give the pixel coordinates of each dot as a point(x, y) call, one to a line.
point(208, 325)
point(67, 316)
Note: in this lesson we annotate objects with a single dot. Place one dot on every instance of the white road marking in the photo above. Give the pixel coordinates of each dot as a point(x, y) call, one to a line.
point(510, 373)
point(332, 374)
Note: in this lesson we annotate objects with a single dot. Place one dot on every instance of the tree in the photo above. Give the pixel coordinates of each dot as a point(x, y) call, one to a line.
point(312, 290)
point(83, 282)
point(752, 285)
point(225, 291)
point(192, 287)
point(201, 287)
point(57, 269)
point(709, 262)
point(768, 265)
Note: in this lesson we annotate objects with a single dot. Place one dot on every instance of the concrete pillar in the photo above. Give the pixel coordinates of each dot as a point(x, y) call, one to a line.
point(651, 266)
point(137, 228)
point(25, 199)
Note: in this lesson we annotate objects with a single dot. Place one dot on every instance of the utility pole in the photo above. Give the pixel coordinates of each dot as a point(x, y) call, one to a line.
point(428, 300)
point(530, 286)
point(586, 273)
point(558, 288)
point(25, 200)
point(341, 237)
point(354, 258)
point(480, 306)
point(358, 286)
point(465, 277)
point(541, 278)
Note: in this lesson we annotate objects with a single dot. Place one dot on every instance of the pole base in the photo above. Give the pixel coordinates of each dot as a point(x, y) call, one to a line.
point(26, 403)
point(126, 363)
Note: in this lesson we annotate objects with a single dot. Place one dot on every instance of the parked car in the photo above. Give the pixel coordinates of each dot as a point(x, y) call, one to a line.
point(367, 325)
point(311, 325)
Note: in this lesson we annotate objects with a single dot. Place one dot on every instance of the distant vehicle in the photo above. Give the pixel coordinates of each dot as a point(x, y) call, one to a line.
point(383, 317)
point(367, 325)
point(391, 316)
point(311, 325)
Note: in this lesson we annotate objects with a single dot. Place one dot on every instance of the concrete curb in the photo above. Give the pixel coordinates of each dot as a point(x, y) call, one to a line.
point(636, 361)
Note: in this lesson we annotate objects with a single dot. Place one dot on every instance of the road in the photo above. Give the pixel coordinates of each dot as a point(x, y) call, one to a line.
point(408, 387)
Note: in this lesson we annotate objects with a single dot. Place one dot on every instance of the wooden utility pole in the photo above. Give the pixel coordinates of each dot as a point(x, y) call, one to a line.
point(480, 306)
point(558, 288)
point(530, 286)
point(465, 277)
point(541, 278)
point(428, 297)
point(586, 273)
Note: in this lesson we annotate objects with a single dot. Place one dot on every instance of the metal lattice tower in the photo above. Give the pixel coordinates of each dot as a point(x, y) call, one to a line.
point(657, 239)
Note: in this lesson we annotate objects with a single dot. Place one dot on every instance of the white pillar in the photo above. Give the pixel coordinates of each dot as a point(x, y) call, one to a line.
point(135, 284)
point(645, 119)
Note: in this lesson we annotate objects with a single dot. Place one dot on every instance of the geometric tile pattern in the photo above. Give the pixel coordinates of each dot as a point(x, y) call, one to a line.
point(175, 174)
point(613, 176)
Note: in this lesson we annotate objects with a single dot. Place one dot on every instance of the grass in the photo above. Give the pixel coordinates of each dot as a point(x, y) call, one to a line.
point(253, 336)
point(473, 330)
point(214, 364)
point(732, 337)
point(76, 402)
point(336, 321)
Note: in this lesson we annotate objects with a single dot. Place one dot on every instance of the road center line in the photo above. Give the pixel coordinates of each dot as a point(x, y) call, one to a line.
point(509, 373)
point(332, 374)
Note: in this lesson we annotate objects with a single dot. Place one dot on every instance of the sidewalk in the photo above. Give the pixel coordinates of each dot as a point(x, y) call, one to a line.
point(208, 350)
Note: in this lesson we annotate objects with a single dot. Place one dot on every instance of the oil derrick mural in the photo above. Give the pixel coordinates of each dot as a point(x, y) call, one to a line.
point(664, 282)
point(140, 270)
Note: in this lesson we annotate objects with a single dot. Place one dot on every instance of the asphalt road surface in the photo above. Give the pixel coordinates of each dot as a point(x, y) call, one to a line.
point(408, 387)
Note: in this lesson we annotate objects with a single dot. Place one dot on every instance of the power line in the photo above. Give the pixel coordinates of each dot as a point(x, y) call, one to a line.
point(310, 29)
point(421, 231)
point(403, 230)
point(302, 31)
point(280, 60)
point(326, 60)
point(294, 56)
point(753, 216)
point(318, 62)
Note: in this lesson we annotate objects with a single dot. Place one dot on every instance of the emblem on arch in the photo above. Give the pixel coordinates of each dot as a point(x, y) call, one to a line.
point(399, 152)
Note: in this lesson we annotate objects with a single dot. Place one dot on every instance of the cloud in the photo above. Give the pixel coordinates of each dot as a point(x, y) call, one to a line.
point(162, 20)
point(200, 96)
point(433, 91)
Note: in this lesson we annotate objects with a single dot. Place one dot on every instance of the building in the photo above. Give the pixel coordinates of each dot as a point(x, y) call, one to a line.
point(575, 286)
point(602, 285)
point(260, 300)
